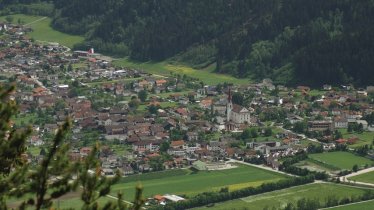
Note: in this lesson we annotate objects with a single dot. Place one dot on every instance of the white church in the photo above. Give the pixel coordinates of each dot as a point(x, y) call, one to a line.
point(236, 115)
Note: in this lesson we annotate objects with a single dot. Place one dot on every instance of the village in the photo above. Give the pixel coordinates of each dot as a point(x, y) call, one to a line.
point(146, 123)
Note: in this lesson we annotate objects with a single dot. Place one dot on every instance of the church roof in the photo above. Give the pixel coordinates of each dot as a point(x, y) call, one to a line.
point(239, 109)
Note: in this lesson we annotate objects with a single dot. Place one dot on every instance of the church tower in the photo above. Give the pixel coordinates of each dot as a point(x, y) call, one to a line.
point(229, 106)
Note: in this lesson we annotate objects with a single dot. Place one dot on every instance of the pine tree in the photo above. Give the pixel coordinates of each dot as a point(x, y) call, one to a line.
point(55, 176)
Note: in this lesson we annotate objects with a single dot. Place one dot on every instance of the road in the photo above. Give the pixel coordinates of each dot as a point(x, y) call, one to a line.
point(35, 21)
point(157, 75)
point(259, 166)
point(345, 178)
point(113, 197)
point(301, 135)
point(41, 85)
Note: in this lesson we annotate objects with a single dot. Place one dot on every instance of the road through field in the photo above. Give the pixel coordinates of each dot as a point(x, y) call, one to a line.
point(35, 21)
point(349, 204)
point(259, 166)
point(367, 170)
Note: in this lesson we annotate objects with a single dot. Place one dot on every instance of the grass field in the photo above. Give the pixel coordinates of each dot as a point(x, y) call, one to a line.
point(365, 137)
point(165, 68)
point(368, 205)
point(280, 198)
point(42, 30)
point(342, 160)
point(26, 119)
point(366, 177)
point(35, 151)
point(185, 182)
point(314, 166)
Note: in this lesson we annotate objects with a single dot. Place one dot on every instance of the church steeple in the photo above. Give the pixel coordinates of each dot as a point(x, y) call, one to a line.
point(229, 106)
point(229, 98)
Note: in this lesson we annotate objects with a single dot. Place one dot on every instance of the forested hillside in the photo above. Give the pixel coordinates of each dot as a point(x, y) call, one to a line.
point(290, 41)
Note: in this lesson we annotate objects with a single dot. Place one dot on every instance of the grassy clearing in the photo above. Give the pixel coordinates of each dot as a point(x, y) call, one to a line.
point(164, 68)
point(316, 92)
point(366, 177)
point(24, 19)
point(120, 149)
point(342, 160)
point(163, 105)
point(279, 199)
point(25, 119)
point(314, 166)
point(365, 137)
point(34, 151)
point(191, 183)
point(356, 206)
point(43, 31)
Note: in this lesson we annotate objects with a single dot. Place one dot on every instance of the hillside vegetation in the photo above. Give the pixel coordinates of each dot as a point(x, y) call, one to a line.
point(290, 41)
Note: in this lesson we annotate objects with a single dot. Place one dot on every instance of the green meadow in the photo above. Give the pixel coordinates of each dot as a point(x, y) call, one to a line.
point(164, 68)
point(366, 177)
point(187, 182)
point(280, 198)
point(341, 160)
point(42, 30)
point(365, 137)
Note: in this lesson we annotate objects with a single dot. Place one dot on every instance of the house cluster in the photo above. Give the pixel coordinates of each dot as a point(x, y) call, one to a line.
point(178, 123)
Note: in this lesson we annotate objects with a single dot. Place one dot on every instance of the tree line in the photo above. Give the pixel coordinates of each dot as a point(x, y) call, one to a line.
point(290, 41)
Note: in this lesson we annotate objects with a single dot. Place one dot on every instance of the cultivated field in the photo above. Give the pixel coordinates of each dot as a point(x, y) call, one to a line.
point(280, 198)
point(43, 31)
point(366, 177)
point(164, 68)
point(340, 160)
point(186, 182)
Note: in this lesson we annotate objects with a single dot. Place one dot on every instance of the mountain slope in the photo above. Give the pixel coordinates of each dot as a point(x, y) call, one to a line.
point(290, 41)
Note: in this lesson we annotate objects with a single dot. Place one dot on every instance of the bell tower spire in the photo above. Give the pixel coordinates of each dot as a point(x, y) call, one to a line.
point(229, 98)
point(229, 106)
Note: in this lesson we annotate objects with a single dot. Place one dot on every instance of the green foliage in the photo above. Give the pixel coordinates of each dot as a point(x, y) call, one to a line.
point(199, 56)
point(268, 131)
point(164, 146)
point(24, 7)
point(9, 19)
point(142, 95)
point(54, 177)
point(237, 98)
point(134, 103)
point(300, 127)
point(286, 40)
